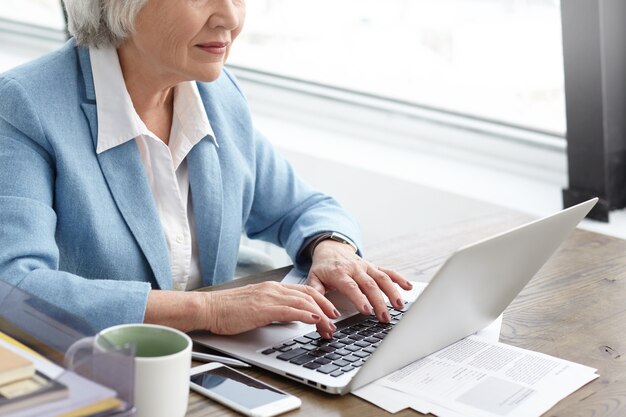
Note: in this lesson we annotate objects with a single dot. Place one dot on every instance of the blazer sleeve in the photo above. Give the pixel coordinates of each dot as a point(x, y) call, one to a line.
point(29, 255)
point(287, 211)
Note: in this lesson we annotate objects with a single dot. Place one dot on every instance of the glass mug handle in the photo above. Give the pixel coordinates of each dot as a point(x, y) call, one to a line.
point(80, 344)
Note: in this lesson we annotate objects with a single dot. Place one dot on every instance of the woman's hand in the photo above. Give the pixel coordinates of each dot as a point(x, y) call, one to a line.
point(240, 309)
point(336, 267)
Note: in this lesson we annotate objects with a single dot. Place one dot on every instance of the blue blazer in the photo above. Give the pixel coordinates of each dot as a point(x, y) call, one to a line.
point(81, 230)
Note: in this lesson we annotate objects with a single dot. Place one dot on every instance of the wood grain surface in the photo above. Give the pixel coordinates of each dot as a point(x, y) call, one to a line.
point(574, 308)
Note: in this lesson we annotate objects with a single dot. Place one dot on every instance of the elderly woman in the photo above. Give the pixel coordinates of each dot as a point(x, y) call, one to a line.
point(129, 167)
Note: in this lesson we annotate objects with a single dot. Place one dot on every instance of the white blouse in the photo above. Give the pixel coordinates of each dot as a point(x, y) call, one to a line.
point(165, 166)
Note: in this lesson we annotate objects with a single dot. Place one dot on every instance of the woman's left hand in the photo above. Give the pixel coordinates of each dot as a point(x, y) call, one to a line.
point(336, 267)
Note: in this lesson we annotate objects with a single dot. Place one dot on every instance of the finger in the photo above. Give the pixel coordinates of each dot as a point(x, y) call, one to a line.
point(324, 303)
point(349, 287)
point(287, 313)
point(300, 300)
point(386, 285)
point(370, 288)
point(398, 278)
point(315, 282)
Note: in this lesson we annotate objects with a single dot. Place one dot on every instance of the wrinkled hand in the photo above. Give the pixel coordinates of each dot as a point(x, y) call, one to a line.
point(336, 267)
point(241, 309)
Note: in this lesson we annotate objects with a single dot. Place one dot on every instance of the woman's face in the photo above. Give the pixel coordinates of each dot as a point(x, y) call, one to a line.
point(186, 39)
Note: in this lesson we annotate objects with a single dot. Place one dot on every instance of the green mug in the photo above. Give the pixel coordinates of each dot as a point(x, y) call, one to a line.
point(162, 365)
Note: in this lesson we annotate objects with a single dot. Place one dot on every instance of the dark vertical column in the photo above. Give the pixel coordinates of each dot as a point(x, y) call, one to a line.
point(67, 32)
point(594, 50)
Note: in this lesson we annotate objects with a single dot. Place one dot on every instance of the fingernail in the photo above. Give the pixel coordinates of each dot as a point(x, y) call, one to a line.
point(409, 285)
point(337, 314)
point(315, 317)
point(333, 327)
point(387, 317)
point(368, 308)
point(399, 302)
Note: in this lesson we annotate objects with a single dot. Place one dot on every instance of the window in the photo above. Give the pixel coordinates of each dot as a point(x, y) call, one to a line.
point(28, 29)
point(498, 60)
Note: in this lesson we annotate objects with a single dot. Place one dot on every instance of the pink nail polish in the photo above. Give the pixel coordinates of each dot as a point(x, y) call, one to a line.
point(367, 308)
point(337, 314)
point(315, 317)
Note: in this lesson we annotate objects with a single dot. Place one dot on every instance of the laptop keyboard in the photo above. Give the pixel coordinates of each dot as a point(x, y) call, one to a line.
point(356, 338)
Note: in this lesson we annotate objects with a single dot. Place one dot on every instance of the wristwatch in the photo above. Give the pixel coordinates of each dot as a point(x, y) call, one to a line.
point(336, 236)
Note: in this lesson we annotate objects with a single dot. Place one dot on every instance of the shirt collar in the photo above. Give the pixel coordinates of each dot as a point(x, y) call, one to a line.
point(118, 122)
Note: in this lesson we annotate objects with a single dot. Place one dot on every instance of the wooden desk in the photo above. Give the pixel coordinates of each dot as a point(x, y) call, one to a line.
point(575, 309)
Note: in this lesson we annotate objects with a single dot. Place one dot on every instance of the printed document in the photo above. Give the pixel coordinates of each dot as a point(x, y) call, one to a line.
point(482, 378)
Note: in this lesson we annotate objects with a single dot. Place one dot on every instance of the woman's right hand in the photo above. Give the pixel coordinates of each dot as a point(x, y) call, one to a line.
point(245, 308)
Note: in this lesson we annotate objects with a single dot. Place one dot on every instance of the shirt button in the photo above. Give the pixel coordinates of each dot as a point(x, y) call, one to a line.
point(180, 238)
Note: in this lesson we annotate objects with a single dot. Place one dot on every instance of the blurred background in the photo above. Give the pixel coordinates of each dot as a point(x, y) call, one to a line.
point(413, 113)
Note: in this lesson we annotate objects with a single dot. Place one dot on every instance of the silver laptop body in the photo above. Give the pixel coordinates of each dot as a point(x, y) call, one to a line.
point(470, 290)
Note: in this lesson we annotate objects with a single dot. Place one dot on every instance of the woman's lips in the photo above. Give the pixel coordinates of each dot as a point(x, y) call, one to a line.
point(217, 48)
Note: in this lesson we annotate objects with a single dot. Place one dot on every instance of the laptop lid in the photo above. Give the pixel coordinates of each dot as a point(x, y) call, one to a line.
point(470, 290)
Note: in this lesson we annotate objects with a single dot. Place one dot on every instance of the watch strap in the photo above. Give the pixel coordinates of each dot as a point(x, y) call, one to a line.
point(336, 236)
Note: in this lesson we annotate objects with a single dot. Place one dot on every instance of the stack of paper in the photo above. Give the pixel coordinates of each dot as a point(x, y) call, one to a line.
point(14, 367)
point(482, 378)
point(80, 395)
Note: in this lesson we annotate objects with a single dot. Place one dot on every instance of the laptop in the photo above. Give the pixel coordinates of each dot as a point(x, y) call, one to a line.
point(470, 290)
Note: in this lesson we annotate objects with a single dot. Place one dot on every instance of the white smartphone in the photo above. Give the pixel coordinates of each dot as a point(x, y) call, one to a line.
point(240, 392)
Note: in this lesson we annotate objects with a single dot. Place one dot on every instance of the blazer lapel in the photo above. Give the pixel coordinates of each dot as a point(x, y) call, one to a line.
point(124, 173)
point(205, 180)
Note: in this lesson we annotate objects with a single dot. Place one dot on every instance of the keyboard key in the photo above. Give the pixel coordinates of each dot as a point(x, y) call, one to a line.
point(348, 368)
point(339, 335)
point(303, 340)
point(358, 364)
point(318, 353)
point(302, 359)
point(337, 373)
point(351, 358)
point(343, 352)
point(369, 349)
point(327, 349)
point(322, 361)
point(337, 345)
point(380, 336)
point(312, 365)
point(353, 348)
point(361, 354)
point(362, 344)
point(371, 340)
point(356, 336)
point(268, 351)
point(283, 348)
point(309, 347)
point(341, 363)
point(287, 356)
point(313, 336)
point(333, 356)
point(327, 369)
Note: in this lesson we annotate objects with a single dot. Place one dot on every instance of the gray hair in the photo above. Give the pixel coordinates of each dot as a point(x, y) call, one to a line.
point(99, 23)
